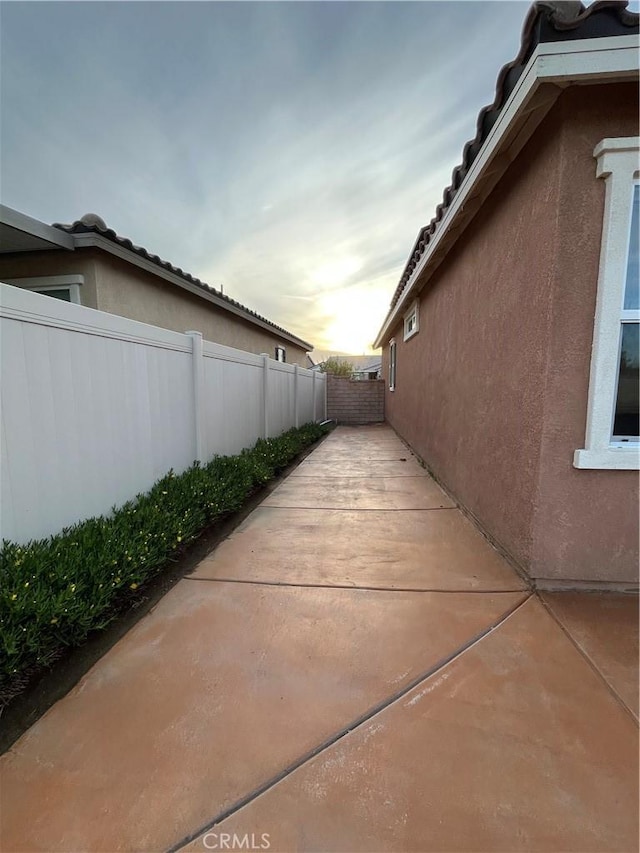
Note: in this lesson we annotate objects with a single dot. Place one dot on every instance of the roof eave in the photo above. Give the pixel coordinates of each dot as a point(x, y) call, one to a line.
point(42, 235)
point(94, 240)
point(556, 64)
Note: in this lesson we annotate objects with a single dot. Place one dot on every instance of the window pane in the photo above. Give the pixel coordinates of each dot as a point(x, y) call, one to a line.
point(631, 291)
point(64, 294)
point(626, 421)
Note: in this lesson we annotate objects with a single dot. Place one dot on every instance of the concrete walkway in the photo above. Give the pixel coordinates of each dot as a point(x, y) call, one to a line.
point(354, 669)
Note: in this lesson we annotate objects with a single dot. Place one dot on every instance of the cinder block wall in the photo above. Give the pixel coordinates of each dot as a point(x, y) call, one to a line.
point(352, 402)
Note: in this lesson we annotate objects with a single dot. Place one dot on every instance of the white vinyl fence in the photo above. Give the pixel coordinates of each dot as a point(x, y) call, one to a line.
point(95, 408)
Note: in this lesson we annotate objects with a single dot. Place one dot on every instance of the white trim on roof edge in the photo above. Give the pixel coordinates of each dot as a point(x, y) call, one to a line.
point(28, 225)
point(558, 63)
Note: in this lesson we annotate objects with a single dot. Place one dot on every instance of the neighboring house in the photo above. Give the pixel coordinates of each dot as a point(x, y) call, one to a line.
point(364, 366)
point(90, 264)
point(511, 347)
point(367, 366)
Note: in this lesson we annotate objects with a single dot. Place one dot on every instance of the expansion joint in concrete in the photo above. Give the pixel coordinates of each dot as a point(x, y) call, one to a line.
point(355, 724)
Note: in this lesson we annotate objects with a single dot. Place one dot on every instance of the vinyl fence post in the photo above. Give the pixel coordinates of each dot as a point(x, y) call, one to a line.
point(296, 396)
point(198, 394)
point(326, 382)
point(265, 394)
point(313, 385)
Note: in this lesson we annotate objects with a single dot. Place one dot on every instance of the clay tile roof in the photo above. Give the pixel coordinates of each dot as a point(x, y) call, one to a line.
point(91, 223)
point(546, 21)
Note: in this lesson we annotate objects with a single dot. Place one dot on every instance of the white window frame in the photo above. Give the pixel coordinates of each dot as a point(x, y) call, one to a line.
point(393, 362)
point(281, 354)
point(412, 314)
point(618, 163)
point(43, 283)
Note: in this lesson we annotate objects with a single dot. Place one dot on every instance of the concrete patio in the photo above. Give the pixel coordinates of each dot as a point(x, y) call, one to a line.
point(354, 669)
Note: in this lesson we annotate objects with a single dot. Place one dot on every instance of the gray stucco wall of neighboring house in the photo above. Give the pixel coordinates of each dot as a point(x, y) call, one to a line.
point(492, 392)
point(117, 287)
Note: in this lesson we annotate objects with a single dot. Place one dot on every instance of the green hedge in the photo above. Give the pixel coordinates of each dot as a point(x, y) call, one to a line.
point(54, 591)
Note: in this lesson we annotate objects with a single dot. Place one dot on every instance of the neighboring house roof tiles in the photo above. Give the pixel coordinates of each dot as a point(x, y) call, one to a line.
point(563, 20)
point(91, 223)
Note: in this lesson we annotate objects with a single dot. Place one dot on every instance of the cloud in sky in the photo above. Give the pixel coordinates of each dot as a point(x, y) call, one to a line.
point(289, 151)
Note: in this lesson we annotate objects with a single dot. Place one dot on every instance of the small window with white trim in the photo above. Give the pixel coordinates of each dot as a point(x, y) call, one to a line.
point(281, 354)
point(392, 365)
point(612, 433)
point(64, 287)
point(411, 321)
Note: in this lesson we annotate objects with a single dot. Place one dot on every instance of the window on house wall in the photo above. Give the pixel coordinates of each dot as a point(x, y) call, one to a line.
point(64, 287)
point(392, 365)
point(612, 434)
point(411, 321)
point(281, 354)
point(57, 293)
point(626, 418)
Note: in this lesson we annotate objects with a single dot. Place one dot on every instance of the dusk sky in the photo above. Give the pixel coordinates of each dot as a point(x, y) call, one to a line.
point(288, 151)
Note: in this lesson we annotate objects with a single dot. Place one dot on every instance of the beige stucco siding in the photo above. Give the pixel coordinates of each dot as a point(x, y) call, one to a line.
point(585, 522)
point(118, 287)
point(57, 262)
point(492, 391)
point(131, 292)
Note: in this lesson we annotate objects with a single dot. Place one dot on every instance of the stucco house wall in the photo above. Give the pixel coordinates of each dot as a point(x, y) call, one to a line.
point(117, 287)
point(492, 391)
point(131, 292)
point(586, 521)
point(36, 264)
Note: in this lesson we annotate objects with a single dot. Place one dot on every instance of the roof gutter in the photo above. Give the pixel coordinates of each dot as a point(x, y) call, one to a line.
point(553, 66)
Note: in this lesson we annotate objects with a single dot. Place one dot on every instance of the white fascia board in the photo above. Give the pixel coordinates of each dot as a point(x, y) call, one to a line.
point(586, 66)
point(561, 63)
point(21, 222)
point(93, 240)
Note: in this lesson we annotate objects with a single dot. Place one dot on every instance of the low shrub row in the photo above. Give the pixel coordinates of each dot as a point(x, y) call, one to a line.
point(54, 591)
